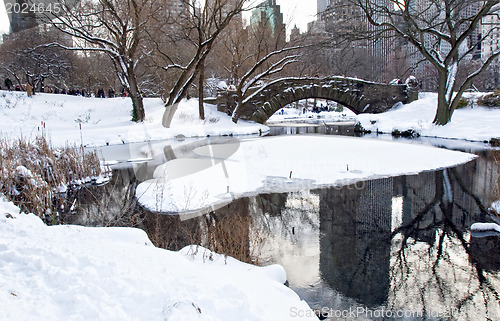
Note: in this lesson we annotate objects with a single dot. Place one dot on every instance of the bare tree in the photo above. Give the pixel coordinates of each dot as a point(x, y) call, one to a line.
point(112, 27)
point(443, 32)
point(195, 32)
point(26, 62)
point(255, 56)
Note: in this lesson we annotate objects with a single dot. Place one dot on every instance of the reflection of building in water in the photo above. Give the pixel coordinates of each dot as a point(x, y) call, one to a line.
point(355, 225)
point(486, 175)
point(424, 194)
point(418, 192)
point(464, 204)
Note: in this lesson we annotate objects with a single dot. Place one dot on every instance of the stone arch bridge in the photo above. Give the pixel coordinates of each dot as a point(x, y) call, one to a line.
point(358, 95)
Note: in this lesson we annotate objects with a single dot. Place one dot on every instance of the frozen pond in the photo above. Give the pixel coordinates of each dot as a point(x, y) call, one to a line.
point(390, 248)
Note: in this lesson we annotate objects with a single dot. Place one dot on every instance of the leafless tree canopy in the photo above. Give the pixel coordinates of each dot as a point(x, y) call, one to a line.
point(444, 32)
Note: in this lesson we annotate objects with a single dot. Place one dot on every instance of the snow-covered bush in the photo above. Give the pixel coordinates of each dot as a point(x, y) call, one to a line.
point(491, 100)
point(464, 102)
point(33, 174)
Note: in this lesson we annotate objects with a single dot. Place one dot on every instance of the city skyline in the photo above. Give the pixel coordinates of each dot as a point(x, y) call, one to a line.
point(290, 9)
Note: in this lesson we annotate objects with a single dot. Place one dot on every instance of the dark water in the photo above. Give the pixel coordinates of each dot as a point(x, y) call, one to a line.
point(394, 248)
point(396, 244)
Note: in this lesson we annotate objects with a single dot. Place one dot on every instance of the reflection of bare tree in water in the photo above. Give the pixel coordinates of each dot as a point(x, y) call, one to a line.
point(113, 204)
point(286, 214)
point(403, 243)
point(230, 231)
point(447, 275)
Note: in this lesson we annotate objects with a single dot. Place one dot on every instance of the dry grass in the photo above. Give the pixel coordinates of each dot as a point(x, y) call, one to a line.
point(491, 100)
point(235, 236)
point(229, 231)
point(33, 172)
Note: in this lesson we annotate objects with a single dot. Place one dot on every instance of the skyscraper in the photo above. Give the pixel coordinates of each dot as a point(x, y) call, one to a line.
point(21, 19)
point(341, 19)
point(322, 5)
point(268, 15)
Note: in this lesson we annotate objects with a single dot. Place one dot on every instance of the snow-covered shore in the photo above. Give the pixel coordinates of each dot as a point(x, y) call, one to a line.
point(106, 121)
point(82, 273)
point(476, 123)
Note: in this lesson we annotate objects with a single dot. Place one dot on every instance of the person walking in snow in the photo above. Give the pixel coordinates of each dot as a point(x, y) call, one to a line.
point(29, 89)
point(8, 83)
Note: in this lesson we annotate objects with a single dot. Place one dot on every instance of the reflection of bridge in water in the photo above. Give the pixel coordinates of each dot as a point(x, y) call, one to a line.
point(358, 95)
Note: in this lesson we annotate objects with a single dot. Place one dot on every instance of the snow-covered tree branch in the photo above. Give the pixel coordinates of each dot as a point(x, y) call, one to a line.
point(185, 49)
point(443, 32)
point(115, 28)
point(249, 79)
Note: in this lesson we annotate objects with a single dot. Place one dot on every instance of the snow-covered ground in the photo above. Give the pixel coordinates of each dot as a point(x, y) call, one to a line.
point(106, 121)
point(471, 123)
point(82, 273)
point(222, 173)
point(295, 115)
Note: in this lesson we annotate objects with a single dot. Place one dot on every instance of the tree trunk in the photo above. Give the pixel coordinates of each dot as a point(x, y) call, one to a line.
point(443, 115)
point(201, 84)
point(138, 112)
point(239, 106)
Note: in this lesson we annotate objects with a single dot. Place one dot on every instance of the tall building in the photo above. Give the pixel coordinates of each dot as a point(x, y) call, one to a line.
point(322, 5)
point(482, 40)
point(268, 15)
point(227, 7)
point(341, 18)
point(491, 26)
point(21, 19)
point(172, 8)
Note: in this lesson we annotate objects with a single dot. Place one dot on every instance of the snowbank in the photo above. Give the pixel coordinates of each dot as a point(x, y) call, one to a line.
point(285, 115)
point(478, 123)
point(106, 121)
point(222, 173)
point(81, 273)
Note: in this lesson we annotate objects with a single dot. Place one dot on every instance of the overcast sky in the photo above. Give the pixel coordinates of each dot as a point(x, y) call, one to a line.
point(4, 20)
point(296, 12)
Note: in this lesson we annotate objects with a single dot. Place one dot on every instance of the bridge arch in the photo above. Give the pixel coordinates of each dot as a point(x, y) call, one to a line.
point(358, 95)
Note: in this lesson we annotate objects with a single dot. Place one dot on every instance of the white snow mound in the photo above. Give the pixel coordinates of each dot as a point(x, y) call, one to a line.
point(81, 273)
